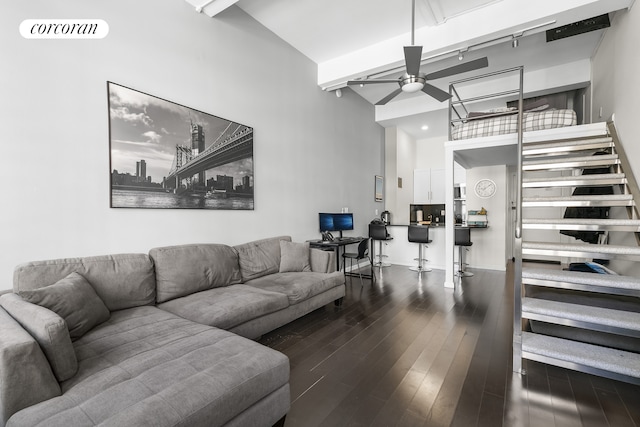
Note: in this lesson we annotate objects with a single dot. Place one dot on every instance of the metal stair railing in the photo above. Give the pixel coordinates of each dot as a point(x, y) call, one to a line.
point(632, 184)
point(517, 278)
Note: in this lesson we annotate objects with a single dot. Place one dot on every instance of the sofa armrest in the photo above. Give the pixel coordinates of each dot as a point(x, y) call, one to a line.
point(25, 375)
point(322, 261)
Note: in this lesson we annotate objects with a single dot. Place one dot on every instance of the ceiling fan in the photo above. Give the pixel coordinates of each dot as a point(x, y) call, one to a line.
point(413, 80)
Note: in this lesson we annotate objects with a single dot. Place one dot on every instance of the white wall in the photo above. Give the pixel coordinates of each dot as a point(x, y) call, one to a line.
point(312, 151)
point(430, 152)
point(400, 163)
point(489, 250)
point(616, 89)
point(616, 81)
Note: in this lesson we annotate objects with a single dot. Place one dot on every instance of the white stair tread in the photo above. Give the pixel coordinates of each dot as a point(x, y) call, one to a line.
point(582, 278)
point(603, 358)
point(569, 143)
point(566, 147)
point(585, 159)
point(604, 197)
point(581, 313)
point(583, 221)
point(587, 248)
point(592, 177)
point(593, 224)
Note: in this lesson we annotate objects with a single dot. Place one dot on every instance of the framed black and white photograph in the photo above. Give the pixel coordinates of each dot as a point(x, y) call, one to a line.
point(164, 155)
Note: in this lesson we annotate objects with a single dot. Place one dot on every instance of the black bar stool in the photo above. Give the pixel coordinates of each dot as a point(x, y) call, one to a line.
point(462, 241)
point(419, 234)
point(378, 232)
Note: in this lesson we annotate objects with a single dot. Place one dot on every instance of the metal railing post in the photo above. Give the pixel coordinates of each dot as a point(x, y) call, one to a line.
point(517, 273)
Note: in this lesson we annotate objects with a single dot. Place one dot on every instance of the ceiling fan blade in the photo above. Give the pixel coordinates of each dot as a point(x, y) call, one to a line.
point(412, 57)
point(389, 97)
point(433, 91)
point(460, 68)
point(366, 82)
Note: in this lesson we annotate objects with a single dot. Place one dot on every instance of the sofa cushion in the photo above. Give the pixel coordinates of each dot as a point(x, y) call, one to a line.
point(260, 257)
point(228, 306)
point(121, 281)
point(298, 286)
point(145, 366)
point(294, 256)
point(73, 299)
point(49, 330)
point(25, 375)
point(186, 269)
point(322, 261)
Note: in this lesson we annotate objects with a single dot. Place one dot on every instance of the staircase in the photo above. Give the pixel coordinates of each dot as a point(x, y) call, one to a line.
point(578, 320)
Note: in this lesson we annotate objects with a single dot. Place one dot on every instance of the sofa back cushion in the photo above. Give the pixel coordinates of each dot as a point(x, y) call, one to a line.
point(260, 258)
point(186, 269)
point(121, 281)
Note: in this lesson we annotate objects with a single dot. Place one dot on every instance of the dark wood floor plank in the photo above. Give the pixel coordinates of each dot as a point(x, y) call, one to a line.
point(516, 407)
point(591, 413)
point(630, 395)
point(444, 407)
point(405, 351)
point(491, 410)
point(565, 410)
point(614, 409)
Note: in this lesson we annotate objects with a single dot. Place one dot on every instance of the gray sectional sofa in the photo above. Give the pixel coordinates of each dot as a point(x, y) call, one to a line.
point(158, 339)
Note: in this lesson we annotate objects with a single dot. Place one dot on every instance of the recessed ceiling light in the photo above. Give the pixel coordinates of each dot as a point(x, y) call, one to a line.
point(425, 127)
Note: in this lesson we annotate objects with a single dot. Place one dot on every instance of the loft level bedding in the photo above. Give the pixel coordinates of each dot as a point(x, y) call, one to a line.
point(477, 126)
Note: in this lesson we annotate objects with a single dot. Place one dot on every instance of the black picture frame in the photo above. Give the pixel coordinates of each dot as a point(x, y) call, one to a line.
point(164, 155)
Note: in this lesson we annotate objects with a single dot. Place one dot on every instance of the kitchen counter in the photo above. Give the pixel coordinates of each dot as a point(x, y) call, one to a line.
point(402, 252)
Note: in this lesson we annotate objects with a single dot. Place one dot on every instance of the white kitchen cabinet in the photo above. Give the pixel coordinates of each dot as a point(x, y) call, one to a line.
point(428, 186)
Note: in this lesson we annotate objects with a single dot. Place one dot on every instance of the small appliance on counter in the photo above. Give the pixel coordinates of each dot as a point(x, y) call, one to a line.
point(386, 217)
point(426, 214)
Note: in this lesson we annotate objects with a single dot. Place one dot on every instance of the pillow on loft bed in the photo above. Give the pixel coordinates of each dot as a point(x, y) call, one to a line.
point(539, 105)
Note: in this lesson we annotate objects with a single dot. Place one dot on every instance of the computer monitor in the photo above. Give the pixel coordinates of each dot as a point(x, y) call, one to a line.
point(336, 222)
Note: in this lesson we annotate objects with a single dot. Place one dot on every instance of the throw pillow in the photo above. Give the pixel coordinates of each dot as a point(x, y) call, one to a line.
point(294, 256)
point(49, 330)
point(73, 299)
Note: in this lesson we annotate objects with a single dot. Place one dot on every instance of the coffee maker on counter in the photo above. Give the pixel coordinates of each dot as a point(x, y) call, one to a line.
point(386, 217)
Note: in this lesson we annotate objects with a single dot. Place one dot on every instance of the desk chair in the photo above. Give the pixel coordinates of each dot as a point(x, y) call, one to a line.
point(363, 253)
point(462, 241)
point(378, 232)
point(419, 234)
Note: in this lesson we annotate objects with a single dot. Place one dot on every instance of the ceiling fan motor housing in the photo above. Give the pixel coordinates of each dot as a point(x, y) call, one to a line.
point(410, 83)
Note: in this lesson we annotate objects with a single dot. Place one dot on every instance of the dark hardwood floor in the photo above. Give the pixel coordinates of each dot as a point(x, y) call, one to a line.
point(404, 351)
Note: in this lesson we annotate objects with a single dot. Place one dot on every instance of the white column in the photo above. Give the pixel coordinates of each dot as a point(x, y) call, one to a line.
point(449, 218)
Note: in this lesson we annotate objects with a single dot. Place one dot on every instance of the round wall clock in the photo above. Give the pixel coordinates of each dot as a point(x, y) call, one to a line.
point(485, 188)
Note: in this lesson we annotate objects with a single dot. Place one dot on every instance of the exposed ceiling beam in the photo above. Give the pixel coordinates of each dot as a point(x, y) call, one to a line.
point(477, 27)
point(211, 7)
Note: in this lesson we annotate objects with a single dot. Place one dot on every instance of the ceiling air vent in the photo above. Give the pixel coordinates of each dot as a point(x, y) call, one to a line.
point(580, 27)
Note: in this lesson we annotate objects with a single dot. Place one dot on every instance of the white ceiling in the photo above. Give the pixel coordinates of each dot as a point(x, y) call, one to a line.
point(351, 39)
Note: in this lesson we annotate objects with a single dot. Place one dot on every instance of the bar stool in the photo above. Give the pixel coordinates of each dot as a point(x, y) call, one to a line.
point(378, 232)
point(419, 234)
point(462, 241)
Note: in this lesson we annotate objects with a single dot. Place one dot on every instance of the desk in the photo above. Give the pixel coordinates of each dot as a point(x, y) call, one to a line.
point(336, 245)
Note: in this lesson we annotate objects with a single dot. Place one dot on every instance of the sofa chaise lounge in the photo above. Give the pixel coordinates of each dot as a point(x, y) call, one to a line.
point(158, 339)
